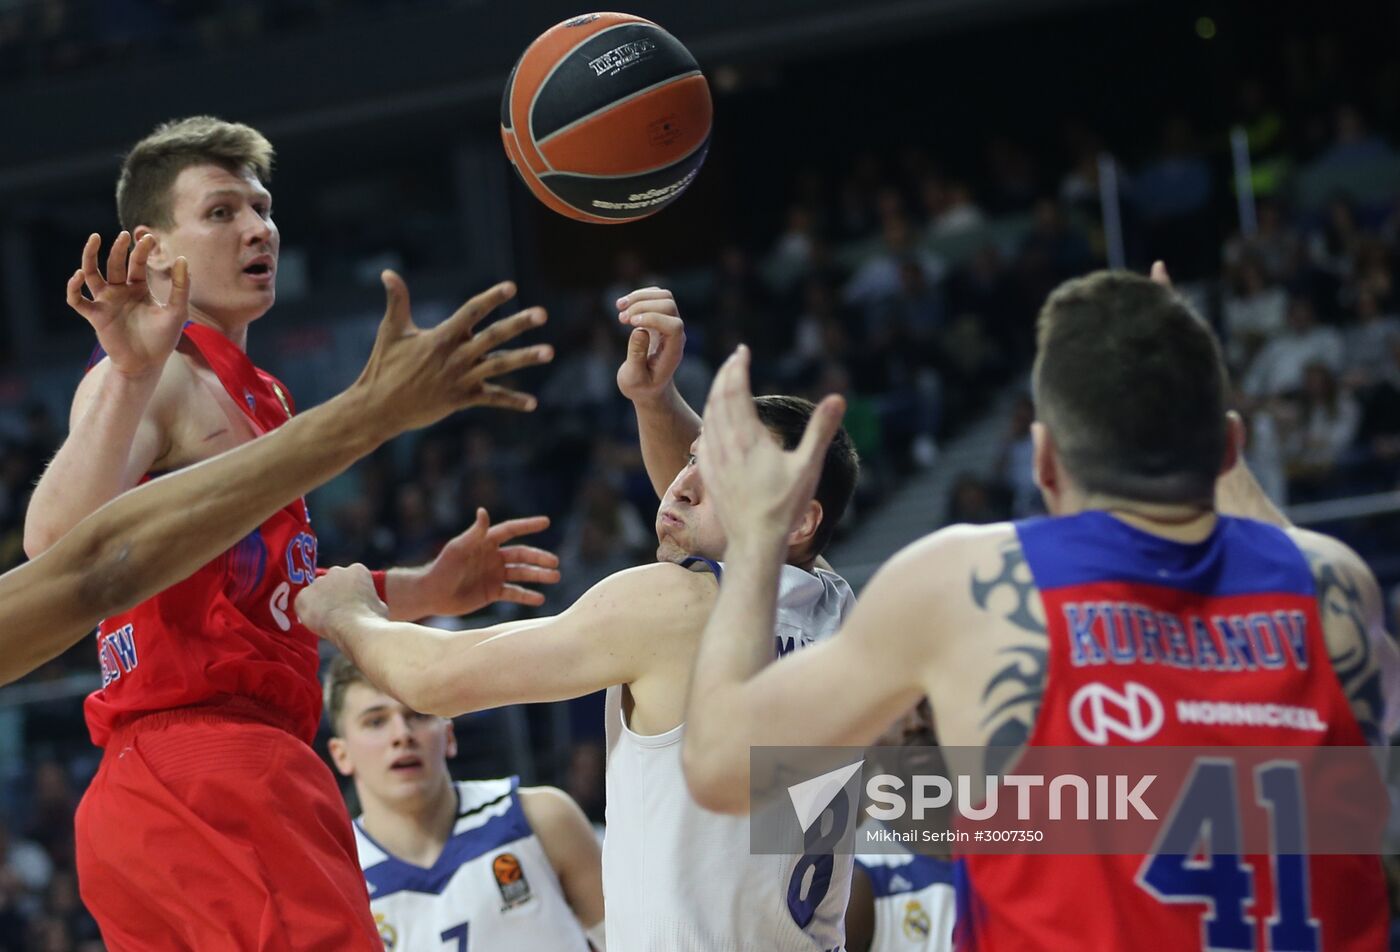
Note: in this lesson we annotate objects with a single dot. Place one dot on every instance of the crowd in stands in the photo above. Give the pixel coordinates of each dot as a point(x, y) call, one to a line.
point(911, 288)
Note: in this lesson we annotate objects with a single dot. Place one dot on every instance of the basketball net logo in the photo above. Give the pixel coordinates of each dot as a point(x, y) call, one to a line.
point(1096, 710)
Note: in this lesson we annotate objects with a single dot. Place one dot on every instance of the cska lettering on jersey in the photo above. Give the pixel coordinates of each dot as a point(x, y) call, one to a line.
point(117, 654)
point(1123, 632)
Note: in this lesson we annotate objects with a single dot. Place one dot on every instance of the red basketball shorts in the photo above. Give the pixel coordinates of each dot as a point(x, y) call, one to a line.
point(206, 828)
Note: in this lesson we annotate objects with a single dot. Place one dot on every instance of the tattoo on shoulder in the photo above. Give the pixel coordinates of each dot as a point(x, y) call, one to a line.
point(1014, 693)
point(1341, 605)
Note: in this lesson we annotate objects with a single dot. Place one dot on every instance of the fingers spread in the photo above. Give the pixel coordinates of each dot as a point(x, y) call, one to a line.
point(531, 574)
point(136, 272)
point(116, 260)
point(491, 395)
point(652, 293)
point(529, 555)
point(95, 281)
point(517, 527)
point(502, 331)
point(521, 596)
point(470, 314)
point(75, 297)
point(504, 362)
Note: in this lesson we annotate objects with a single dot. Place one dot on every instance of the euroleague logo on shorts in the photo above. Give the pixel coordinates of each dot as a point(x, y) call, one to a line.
point(510, 880)
point(1096, 710)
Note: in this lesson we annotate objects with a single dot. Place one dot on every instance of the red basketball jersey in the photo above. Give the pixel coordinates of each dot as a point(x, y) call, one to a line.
point(1182, 632)
point(228, 629)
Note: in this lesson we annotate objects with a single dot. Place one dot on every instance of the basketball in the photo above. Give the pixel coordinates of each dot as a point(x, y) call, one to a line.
point(606, 118)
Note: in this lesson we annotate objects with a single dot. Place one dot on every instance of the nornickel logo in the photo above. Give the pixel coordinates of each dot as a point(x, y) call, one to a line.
point(1096, 710)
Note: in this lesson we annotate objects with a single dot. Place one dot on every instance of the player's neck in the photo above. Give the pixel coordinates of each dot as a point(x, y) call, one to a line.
point(1178, 523)
point(413, 832)
point(237, 333)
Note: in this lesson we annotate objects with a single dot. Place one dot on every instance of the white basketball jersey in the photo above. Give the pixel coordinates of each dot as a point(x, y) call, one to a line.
point(492, 887)
point(915, 902)
point(678, 878)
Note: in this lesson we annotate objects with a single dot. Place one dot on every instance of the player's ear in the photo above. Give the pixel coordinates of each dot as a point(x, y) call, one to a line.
point(451, 739)
point(159, 260)
point(1234, 441)
point(340, 756)
point(807, 525)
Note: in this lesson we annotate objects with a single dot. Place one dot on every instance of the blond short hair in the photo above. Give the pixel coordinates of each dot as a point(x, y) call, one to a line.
point(151, 167)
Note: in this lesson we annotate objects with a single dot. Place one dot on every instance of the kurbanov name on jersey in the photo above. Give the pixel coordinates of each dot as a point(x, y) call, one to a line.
point(1107, 632)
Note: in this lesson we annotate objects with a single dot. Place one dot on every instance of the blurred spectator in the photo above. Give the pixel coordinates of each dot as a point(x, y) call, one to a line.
point(630, 272)
point(52, 806)
point(416, 539)
point(1275, 245)
point(1052, 251)
point(879, 278)
point(61, 903)
point(1332, 248)
point(1369, 342)
point(1172, 193)
point(951, 208)
point(1255, 310)
point(977, 501)
point(27, 862)
point(1326, 423)
point(1278, 368)
point(1354, 142)
point(1015, 461)
point(1012, 171)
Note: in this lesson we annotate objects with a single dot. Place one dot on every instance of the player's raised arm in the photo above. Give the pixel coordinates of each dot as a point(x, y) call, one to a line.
point(609, 636)
point(141, 543)
point(737, 699)
point(113, 437)
point(666, 423)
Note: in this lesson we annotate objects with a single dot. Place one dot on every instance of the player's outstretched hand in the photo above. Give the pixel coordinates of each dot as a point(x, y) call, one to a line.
point(345, 592)
point(657, 343)
point(416, 377)
point(476, 569)
point(138, 332)
point(759, 489)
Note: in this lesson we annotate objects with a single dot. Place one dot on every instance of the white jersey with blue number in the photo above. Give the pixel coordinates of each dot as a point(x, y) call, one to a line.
point(492, 888)
point(915, 902)
point(678, 878)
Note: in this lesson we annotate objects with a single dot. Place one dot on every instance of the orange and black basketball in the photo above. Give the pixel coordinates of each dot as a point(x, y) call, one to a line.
point(606, 117)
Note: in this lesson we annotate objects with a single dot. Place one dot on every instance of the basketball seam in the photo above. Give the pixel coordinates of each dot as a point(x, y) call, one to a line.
point(539, 177)
point(539, 143)
point(558, 62)
point(626, 175)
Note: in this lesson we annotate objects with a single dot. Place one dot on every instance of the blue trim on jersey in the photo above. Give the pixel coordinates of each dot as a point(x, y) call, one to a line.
point(711, 564)
point(920, 873)
point(1240, 557)
point(394, 875)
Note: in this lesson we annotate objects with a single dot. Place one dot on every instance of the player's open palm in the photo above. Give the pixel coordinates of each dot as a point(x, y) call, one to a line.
point(756, 485)
point(415, 377)
point(137, 331)
point(479, 567)
point(656, 346)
